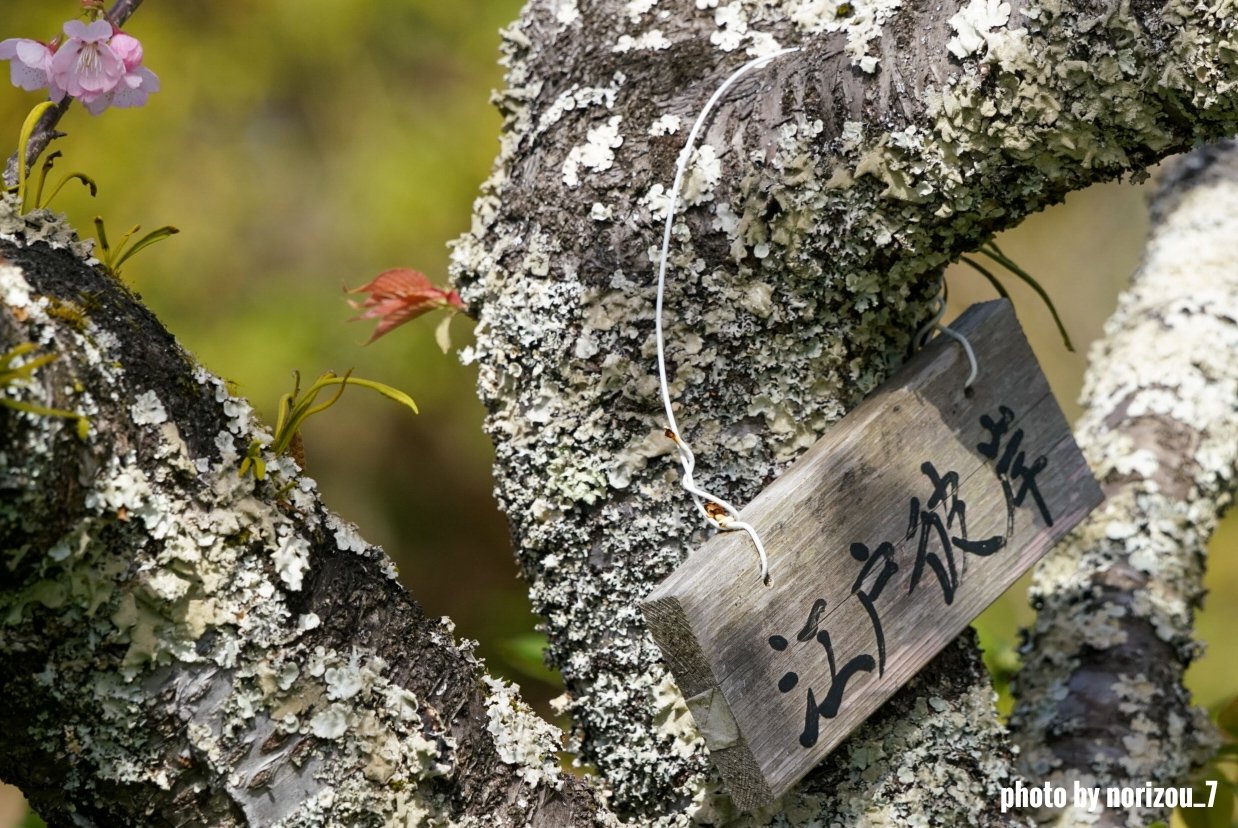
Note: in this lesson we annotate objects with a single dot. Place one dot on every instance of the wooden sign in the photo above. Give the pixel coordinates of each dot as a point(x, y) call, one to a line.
point(885, 539)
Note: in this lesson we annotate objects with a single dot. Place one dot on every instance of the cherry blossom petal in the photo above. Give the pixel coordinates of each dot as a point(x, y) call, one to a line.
point(85, 66)
point(31, 62)
point(128, 49)
point(95, 32)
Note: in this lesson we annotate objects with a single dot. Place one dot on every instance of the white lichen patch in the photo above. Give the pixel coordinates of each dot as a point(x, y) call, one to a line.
point(521, 737)
point(863, 22)
point(732, 26)
point(148, 410)
point(330, 723)
point(973, 24)
point(578, 98)
point(347, 538)
point(596, 154)
point(291, 557)
point(566, 12)
point(14, 290)
point(664, 125)
point(347, 680)
point(44, 226)
point(652, 40)
point(637, 9)
point(657, 201)
point(704, 173)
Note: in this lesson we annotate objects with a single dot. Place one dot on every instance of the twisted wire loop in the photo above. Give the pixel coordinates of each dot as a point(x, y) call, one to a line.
point(934, 324)
point(717, 512)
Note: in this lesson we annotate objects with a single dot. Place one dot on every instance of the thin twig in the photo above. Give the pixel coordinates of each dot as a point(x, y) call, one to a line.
point(45, 130)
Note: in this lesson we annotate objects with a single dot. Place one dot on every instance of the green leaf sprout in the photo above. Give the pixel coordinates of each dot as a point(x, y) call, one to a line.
point(114, 257)
point(10, 374)
point(295, 408)
point(26, 203)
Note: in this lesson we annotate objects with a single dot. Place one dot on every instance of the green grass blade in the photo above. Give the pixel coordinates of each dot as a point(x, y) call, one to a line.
point(26, 370)
point(101, 235)
point(988, 274)
point(82, 177)
point(303, 409)
point(285, 408)
point(48, 163)
point(120, 245)
point(23, 142)
point(31, 408)
point(146, 241)
point(13, 353)
point(387, 391)
point(1008, 263)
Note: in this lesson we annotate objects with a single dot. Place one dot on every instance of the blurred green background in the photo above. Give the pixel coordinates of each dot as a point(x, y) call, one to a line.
point(303, 146)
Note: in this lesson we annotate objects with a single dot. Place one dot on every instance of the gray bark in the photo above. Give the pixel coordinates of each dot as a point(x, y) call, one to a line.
point(183, 645)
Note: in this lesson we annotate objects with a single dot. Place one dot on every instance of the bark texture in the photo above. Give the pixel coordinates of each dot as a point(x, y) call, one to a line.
point(183, 646)
point(1101, 695)
point(826, 194)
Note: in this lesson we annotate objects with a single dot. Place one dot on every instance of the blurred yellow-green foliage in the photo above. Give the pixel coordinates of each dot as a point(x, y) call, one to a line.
point(303, 146)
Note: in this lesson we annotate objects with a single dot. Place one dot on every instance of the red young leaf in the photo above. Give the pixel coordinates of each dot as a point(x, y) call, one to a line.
point(398, 295)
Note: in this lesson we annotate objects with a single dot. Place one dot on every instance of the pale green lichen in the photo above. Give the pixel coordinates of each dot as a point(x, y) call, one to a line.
point(521, 738)
point(42, 226)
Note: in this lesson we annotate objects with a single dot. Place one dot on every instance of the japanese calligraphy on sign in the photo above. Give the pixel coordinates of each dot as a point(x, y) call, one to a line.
point(885, 540)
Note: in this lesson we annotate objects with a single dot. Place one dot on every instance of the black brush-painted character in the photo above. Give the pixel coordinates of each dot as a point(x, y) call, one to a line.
point(828, 707)
point(928, 522)
point(882, 556)
point(1013, 465)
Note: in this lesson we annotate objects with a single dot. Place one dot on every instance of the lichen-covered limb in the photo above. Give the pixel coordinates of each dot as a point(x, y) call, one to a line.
point(1101, 695)
point(827, 192)
point(183, 646)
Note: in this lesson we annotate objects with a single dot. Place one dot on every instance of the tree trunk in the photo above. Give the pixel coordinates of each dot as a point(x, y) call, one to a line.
point(183, 645)
point(828, 191)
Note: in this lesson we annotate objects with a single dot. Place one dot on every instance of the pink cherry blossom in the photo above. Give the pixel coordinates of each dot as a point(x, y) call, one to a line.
point(85, 66)
point(137, 83)
point(128, 49)
point(31, 62)
point(133, 90)
point(98, 64)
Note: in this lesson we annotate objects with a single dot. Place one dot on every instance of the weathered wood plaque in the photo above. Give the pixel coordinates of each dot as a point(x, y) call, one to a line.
point(885, 539)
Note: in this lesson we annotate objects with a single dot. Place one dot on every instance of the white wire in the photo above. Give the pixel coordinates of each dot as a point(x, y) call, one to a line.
point(971, 355)
point(934, 324)
point(729, 520)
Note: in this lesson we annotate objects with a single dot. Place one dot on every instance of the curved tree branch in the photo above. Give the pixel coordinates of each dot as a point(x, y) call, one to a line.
point(1101, 695)
point(181, 645)
point(184, 644)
